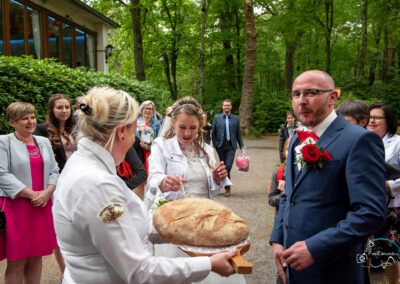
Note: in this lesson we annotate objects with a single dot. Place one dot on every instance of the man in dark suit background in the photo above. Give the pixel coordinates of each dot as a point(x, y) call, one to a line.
point(225, 137)
point(326, 214)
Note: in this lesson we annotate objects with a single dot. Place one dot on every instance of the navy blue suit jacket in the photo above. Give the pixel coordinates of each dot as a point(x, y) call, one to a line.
point(334, 209)
point(218, 131)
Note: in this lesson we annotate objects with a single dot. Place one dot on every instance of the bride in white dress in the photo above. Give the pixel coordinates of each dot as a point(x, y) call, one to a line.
point(181, 165)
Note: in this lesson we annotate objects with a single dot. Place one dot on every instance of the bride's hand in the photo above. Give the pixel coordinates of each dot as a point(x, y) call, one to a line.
point(171, 183)
point(220, 173)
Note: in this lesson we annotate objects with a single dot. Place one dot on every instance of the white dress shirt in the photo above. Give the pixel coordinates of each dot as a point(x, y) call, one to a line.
point(97, 250)
point(320, 128)
point(392, 157)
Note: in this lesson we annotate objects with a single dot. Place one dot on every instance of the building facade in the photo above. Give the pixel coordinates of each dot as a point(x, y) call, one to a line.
point(68, 30)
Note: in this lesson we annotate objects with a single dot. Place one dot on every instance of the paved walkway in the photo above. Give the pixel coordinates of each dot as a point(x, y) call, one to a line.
point(249, 200)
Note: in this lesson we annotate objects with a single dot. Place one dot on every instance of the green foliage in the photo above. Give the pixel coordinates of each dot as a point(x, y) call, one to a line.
point(270, 112)
point(299, 26)
point(34, 81)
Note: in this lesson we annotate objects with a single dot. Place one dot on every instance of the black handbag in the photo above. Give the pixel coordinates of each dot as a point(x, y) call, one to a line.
point(2, 221)
point(3, 217)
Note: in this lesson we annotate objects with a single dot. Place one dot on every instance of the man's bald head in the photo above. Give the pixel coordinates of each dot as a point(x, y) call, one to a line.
point(324, 78)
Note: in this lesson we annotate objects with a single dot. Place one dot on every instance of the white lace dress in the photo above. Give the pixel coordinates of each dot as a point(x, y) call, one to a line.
point(196, 187)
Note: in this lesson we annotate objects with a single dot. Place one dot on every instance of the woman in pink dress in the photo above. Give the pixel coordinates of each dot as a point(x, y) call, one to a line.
point(28, 177)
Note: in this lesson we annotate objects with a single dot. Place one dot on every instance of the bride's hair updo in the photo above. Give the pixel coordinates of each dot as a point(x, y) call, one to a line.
point(189, 106)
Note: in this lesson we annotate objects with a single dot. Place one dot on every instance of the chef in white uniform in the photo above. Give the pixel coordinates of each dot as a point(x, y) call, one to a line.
point(103, 229)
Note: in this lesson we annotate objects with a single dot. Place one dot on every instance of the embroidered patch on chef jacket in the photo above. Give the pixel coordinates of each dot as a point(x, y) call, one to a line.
point(111, 212)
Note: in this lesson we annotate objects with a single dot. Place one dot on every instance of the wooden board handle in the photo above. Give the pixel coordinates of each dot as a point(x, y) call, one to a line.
point(241, 265)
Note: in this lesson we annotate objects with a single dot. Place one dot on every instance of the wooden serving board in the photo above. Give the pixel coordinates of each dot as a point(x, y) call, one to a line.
point(239, 263)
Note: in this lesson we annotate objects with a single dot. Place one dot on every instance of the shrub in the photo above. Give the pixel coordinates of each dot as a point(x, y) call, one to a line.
point(270, 112)
point(34, 81)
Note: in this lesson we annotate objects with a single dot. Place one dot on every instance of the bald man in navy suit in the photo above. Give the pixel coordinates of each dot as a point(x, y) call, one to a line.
point(327, 213)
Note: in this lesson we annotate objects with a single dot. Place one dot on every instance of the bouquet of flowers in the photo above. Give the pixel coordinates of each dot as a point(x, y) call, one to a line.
point(308, 153)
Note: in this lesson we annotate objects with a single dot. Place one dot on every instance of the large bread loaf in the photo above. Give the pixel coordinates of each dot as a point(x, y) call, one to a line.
point(199, 222)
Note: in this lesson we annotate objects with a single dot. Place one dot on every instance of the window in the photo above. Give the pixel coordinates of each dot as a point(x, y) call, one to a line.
point(91, 51)
point(80, 40)
point(36, 31)
point(1, 30)
point(67, 45)
point(34, 38)
point(54, 38)
point(17, 28)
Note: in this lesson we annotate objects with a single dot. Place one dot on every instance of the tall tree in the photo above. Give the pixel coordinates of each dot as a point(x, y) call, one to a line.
point(327, 25)
point(246, 104)
point(205, 4)
point(226, 18)
point(137, 40)
point(364, 30)
point(174, 18)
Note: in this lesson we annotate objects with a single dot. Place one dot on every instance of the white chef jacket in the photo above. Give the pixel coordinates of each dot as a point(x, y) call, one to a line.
point(166, 158)
point(118, 251)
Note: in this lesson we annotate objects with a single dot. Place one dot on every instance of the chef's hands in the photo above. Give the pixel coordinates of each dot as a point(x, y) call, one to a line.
point(219, 173)
point(172, 183)
point(220, 262)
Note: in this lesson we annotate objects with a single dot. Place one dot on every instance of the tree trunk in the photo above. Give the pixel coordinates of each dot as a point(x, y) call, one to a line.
point(137, 40)
point(363, 51)
point(168, 74)
point(390, 55)
point(372, 67)
point(174, 60)
point(238, 50)
point(225, 24)
point(328, 32)
point(173, 20)
point(246, 104)
point(384, 74)
point(204, 10)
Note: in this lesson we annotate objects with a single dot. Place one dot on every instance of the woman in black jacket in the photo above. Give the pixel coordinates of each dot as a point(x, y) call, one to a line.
point(286, 131)
point(58, 127)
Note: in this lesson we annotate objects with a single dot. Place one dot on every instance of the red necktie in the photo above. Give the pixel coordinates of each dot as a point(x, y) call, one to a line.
point(303, 135)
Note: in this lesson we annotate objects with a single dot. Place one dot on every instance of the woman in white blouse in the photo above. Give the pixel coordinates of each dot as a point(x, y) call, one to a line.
point(383, 121)
point(103, 229)
point(181, 161)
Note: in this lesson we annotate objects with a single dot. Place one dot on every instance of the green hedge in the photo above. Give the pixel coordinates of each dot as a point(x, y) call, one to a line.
point(31, 80)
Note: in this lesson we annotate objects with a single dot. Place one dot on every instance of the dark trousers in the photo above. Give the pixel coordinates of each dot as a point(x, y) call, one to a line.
point(226, 153)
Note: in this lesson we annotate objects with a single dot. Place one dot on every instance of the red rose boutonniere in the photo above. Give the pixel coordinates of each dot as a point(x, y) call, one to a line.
point(309, 154)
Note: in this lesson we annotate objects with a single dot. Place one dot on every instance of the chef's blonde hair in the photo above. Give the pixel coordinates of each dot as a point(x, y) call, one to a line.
point(104, 109)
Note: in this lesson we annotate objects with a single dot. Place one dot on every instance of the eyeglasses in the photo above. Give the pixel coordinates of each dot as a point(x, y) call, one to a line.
point(148, 108)
point(307, 93)
point(376, 117)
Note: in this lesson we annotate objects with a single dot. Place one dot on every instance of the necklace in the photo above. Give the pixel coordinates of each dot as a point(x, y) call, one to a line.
point(190, 152)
